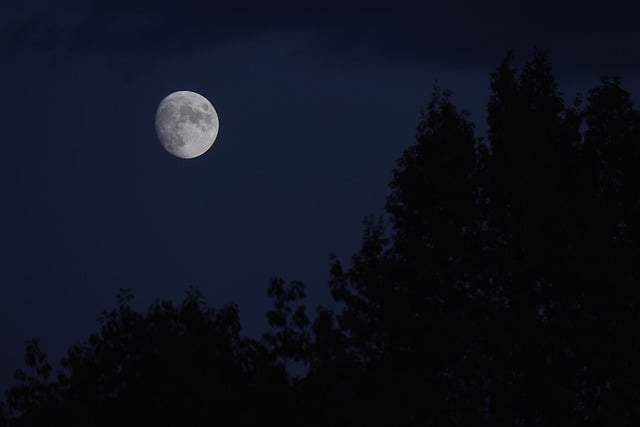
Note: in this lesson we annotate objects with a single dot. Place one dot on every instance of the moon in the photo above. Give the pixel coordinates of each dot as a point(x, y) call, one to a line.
point(186, 124)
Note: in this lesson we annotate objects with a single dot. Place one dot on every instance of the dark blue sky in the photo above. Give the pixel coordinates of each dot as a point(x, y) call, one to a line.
point(316, 101)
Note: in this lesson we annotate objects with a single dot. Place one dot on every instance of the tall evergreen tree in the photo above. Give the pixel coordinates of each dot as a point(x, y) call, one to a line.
point(405, 295)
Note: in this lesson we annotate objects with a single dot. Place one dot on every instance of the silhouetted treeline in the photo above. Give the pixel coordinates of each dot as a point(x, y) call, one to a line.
point(502, 289)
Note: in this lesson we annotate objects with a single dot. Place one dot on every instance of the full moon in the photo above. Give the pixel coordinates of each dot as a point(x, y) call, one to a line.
point(186, 124)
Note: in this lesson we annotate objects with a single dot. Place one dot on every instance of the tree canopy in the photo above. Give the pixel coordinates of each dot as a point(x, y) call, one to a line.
point(499, 288)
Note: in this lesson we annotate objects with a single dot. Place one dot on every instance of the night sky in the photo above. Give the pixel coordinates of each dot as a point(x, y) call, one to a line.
point(316, 102)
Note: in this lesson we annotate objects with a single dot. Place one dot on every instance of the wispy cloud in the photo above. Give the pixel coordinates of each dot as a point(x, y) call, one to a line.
point(584, 34)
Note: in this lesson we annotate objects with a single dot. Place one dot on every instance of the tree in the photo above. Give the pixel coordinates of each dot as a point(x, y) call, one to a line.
point(289, 335)
point(173, 365)
point(612, 150)
point(536, 192)
point(35, 395)
point(502, 290)
point(405, 295)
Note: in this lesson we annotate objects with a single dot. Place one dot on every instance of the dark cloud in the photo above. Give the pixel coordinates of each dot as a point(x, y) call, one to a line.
point(584, 34)
point(480, 33)
point(585, 39)
point(122, 26)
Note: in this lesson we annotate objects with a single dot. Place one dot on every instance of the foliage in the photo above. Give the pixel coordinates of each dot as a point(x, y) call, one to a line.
point(502, 290)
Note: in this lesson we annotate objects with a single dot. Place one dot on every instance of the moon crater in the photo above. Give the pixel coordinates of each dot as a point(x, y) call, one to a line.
point(186, 124)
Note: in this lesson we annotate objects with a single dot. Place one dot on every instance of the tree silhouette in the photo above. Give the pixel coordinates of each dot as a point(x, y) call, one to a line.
point(402, 323)
point(611, 147)
point(34, 396)
point(174, 365)
point(289, 338)
point(500, 289)
point(534, 138)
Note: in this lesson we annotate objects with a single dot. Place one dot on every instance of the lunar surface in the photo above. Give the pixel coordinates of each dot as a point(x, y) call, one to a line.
point(186, 124)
